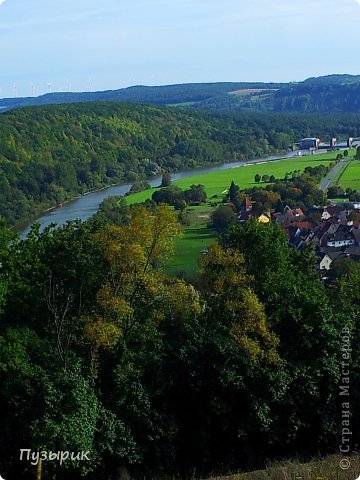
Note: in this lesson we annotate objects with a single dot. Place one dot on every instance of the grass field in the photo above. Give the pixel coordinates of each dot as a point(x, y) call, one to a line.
point(351, 176)
point(188, 247)
point(324, 469)
point(216, 183)
point(340, 173)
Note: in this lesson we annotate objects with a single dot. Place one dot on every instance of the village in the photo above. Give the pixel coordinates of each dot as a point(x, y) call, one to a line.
point(333, 230)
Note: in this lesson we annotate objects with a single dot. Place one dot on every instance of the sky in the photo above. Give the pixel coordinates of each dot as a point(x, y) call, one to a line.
point(82, 45)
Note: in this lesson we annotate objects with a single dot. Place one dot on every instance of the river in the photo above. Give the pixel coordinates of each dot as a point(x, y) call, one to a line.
point(85, 206)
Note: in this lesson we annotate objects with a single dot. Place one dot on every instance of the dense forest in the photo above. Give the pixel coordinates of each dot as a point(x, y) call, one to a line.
point(102, 352)
point(53, 153)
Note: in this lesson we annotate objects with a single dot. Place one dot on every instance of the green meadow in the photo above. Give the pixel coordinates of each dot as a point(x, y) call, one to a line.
point(217, 182)
point(350, 177)
point(195, 238)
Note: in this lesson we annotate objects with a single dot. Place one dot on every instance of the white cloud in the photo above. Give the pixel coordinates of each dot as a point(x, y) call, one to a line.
point(358, 1)
point(2, 1)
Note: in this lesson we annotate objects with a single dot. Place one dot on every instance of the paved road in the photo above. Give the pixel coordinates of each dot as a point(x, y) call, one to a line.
point(330, 176)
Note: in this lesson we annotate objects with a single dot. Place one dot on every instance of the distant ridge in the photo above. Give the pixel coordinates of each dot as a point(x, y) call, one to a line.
point(159, 95)
point(330, 93)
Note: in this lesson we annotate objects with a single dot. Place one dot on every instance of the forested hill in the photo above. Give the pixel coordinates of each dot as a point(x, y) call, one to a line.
point(53, 153)
point(159, 95)
point(331, 93)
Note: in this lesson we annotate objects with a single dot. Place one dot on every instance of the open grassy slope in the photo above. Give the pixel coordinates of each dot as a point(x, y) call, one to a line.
point(325, 469)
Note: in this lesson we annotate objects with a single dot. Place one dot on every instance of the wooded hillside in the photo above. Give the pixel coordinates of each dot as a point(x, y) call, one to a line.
point(50, 154)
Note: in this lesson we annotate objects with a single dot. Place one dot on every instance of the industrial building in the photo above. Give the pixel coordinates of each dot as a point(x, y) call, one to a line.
point(309, 143)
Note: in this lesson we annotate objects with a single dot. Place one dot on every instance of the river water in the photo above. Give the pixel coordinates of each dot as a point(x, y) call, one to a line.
point(85, 206)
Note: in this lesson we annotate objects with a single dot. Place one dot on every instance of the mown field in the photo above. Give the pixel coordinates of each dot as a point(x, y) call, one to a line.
point(196, 238)
point(324, 469)
point(351, 176)
point(217, 183)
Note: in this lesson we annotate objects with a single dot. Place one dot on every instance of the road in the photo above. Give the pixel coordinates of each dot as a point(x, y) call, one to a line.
point(330, 176)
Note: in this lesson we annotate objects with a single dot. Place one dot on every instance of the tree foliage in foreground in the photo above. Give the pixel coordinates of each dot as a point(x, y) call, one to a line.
point(100, 350)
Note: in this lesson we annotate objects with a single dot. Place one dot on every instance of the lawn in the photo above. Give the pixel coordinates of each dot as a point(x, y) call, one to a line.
point(196, 238)
point(351, 176)
point(217, 183)
point(340, 173)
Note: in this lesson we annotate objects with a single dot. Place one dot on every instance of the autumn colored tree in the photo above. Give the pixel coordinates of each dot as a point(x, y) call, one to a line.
point(133, 287)
point(231, 296)
point(224, 358)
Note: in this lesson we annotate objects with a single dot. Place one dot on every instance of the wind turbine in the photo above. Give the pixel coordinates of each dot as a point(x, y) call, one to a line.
point(15, 91)
point(49, 87)
point(68, 86)
point(32, 89)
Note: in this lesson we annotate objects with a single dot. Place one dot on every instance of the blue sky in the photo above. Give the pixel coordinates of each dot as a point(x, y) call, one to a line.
point(116, 43)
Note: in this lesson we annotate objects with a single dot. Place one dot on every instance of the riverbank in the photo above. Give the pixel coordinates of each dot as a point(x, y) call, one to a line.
point(84, 205)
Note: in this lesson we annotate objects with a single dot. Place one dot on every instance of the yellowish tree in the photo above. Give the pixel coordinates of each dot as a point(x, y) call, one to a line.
point(136, 289)
point(232, 299)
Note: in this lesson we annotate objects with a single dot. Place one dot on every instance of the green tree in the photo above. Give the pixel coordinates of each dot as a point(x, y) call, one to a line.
point(113, 210)
point(51, 409)
point(333, 191)
point(296, 305)
point(222, 218)
point(170, 195)
point(139, 186)
point(195, 194)
point(53, 276)
point(357, 154)
point(233, 192)
point(166, 179)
